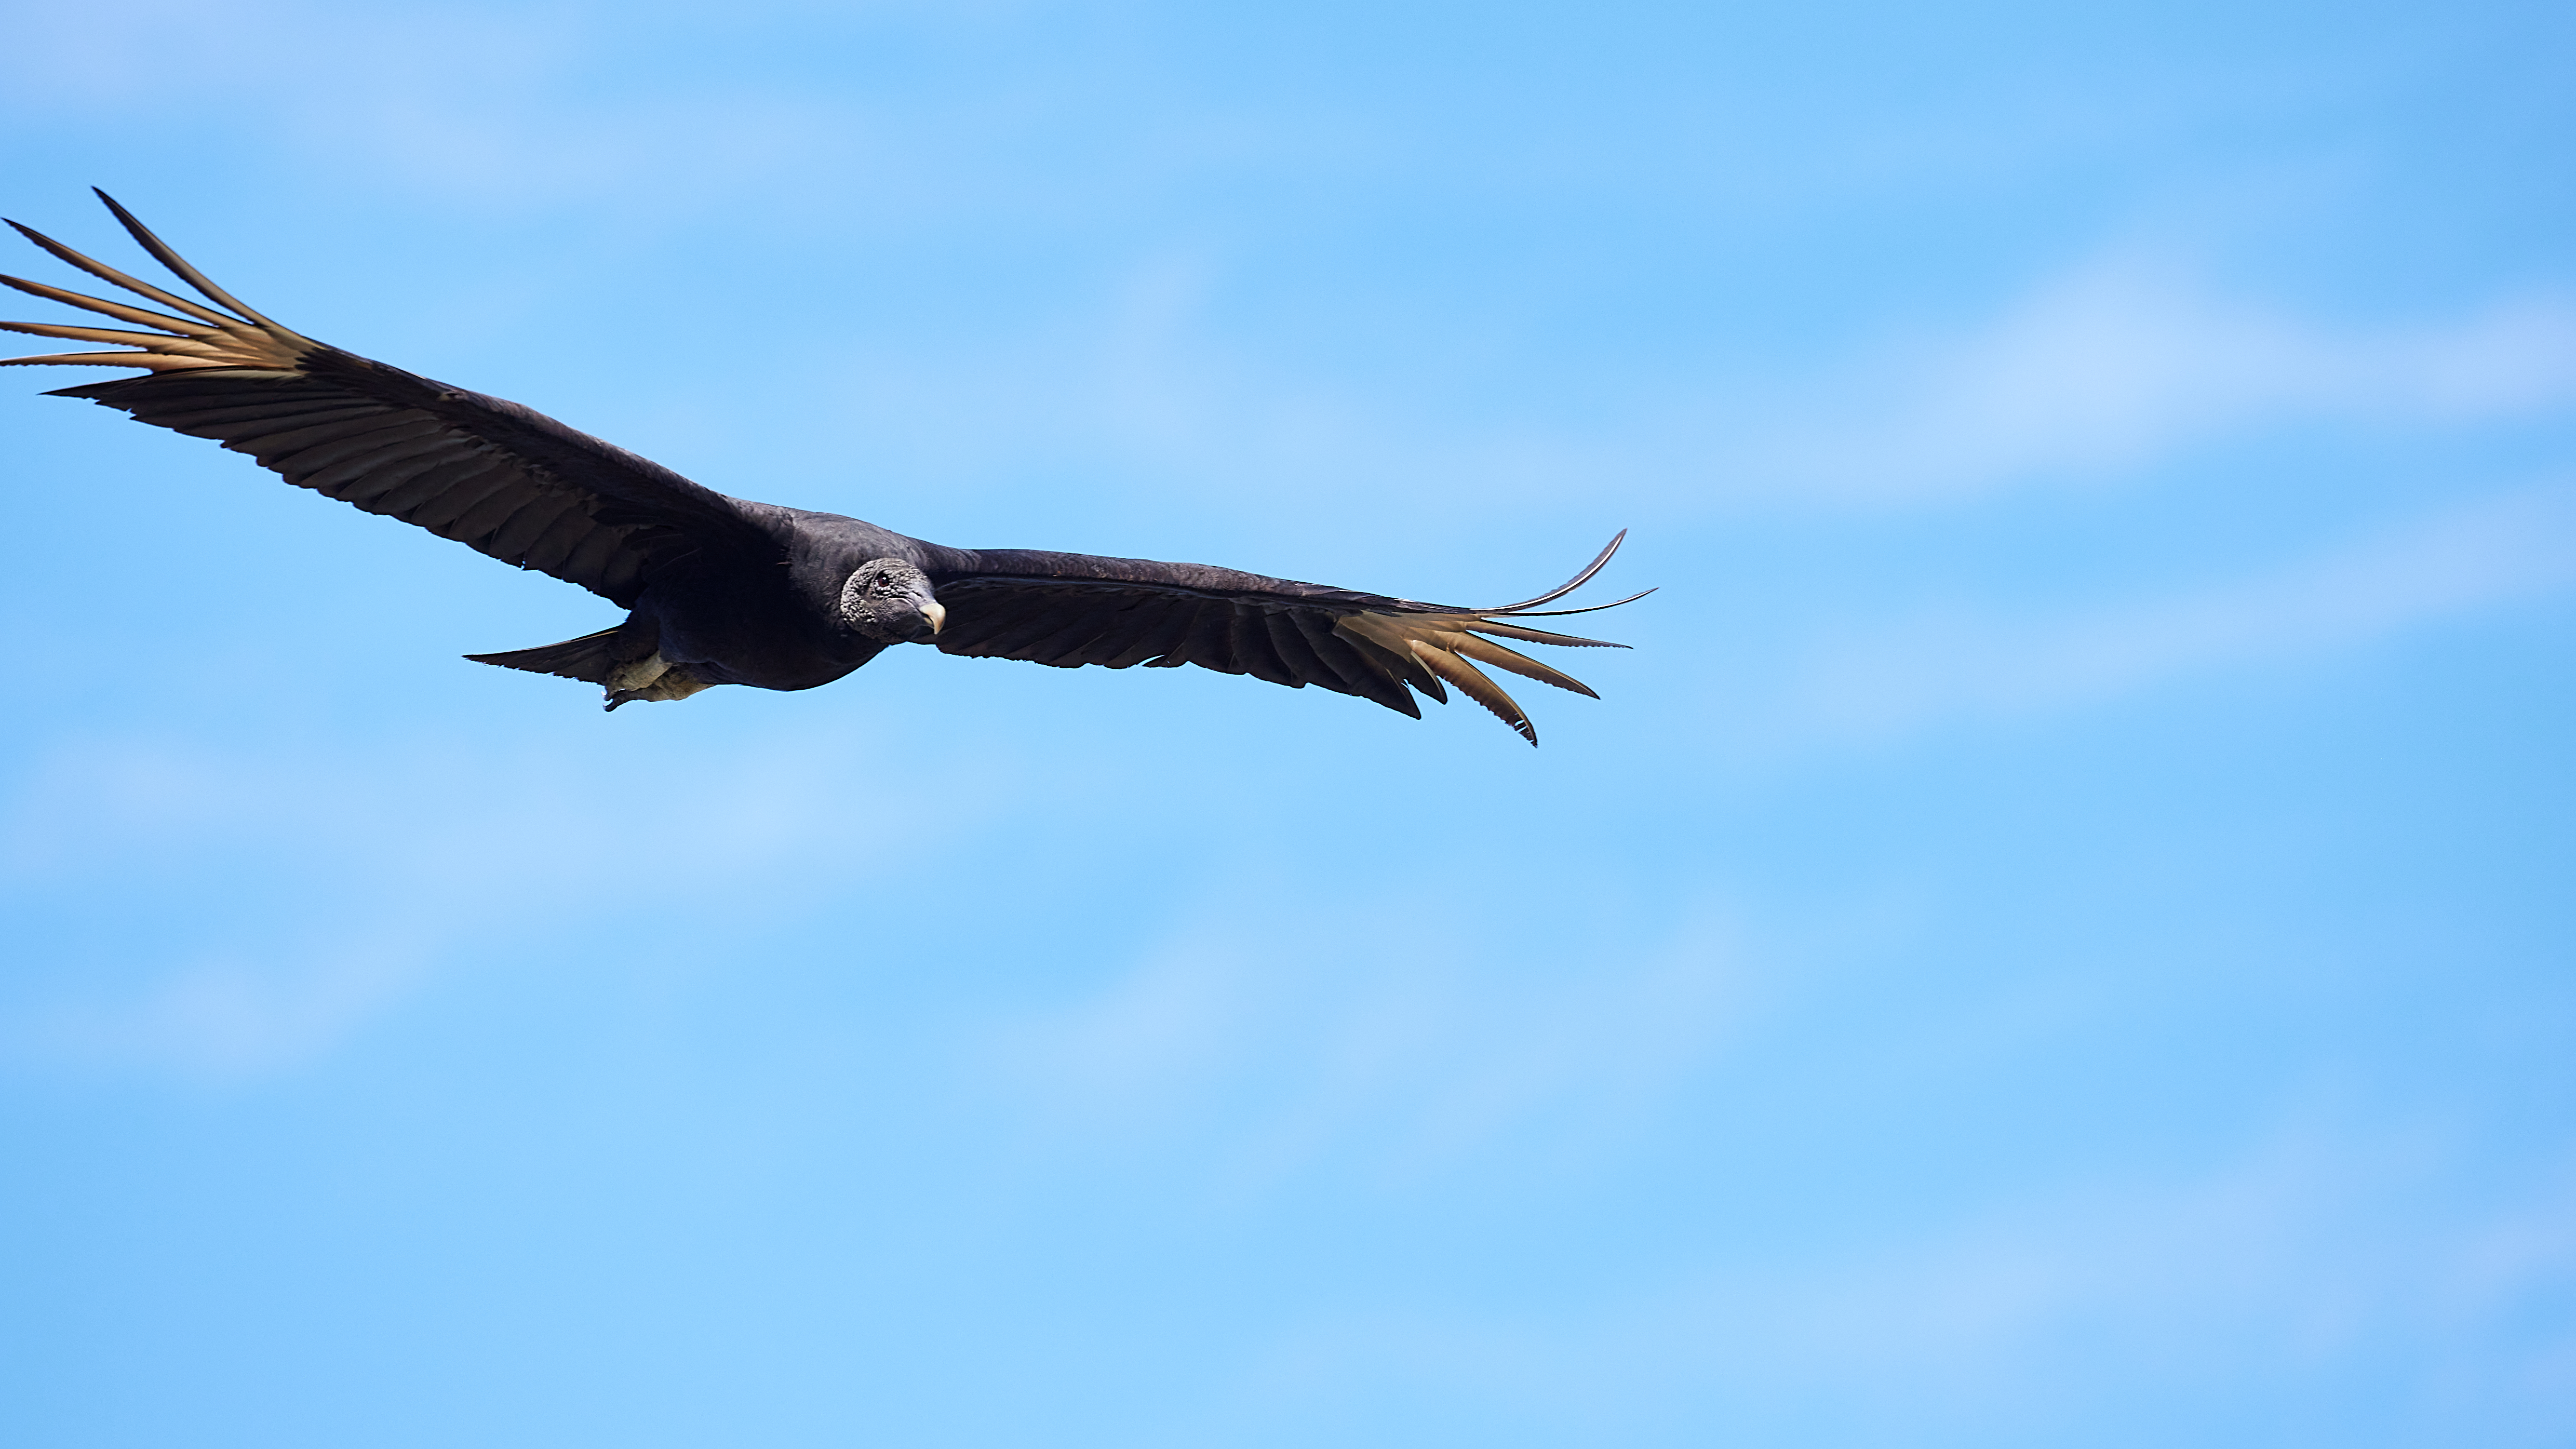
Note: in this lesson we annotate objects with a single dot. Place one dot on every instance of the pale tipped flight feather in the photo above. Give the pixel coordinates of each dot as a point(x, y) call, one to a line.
point(214, 339)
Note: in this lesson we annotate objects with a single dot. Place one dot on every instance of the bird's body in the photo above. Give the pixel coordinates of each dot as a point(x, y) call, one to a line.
point(723, 590)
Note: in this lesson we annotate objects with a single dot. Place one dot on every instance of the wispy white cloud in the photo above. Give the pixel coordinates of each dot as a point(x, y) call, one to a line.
point(2123, 360)
point(1963, 664)
point(381, 868)
point(465, 104)
point(2117, 364)
point(1371, 1040)
point(227, 1016)
point(2319, 1253)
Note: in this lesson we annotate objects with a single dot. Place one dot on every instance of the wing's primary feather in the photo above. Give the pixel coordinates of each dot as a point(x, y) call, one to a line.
point(495, 476)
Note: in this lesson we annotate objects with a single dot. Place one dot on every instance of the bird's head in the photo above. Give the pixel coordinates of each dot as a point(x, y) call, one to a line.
point(890, 601)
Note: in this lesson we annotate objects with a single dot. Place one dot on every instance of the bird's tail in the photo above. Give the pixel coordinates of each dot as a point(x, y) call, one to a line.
point(591, 658)
point(626, 661)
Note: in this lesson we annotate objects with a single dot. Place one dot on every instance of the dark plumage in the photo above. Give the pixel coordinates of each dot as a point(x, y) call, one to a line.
point(723, 590)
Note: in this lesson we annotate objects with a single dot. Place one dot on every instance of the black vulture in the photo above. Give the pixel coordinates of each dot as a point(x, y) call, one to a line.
point(723, 590)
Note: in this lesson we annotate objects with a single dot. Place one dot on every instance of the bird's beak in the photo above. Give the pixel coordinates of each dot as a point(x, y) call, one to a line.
point(937, 616)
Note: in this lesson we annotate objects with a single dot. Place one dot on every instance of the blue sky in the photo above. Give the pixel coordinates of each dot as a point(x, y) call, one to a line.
point(2057, 935)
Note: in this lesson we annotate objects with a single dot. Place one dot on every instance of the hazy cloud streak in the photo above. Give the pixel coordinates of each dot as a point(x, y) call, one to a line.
point(1960, 664)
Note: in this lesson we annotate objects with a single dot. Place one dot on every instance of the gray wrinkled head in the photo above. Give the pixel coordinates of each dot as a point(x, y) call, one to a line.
point(890, 601)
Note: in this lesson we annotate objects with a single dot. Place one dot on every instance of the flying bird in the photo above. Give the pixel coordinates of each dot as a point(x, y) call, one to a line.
point(722, 590)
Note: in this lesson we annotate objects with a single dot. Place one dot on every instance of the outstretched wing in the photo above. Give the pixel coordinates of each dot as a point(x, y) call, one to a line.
point(495, 476)
point(1068, 610)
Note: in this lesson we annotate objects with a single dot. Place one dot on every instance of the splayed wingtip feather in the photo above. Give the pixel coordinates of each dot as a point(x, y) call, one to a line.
point(1599, 561)
point(1476, 685)
point(113, 277)
point(121, 311)
point(166, 256)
